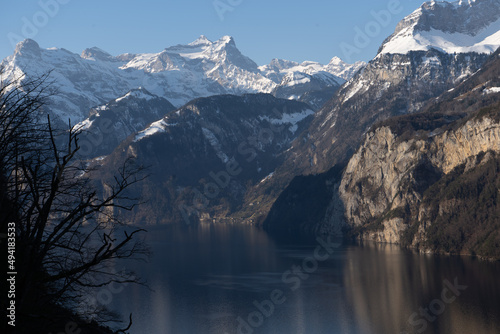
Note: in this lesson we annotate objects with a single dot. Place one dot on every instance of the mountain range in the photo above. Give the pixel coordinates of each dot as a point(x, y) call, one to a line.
point(179, 74)
point(204, 156)
point(406, 152)
point(388, 151)
point(392, 84)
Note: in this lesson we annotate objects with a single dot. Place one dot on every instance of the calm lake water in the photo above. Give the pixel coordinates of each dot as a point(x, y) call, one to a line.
point(223, 278)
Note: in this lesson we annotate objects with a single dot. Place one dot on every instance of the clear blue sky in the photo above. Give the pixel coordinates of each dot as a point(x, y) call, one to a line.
point(263, 29)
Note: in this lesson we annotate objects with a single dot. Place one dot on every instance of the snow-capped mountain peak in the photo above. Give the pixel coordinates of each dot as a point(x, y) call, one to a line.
point(342, 69)
point(178, 73)
point(336, 61)
point(200, 53)
point(227, 40)
point(280, 64)
point(451, 27)
point(202, 40)
point(28, 47)
point(96, 53)
point(279, 68)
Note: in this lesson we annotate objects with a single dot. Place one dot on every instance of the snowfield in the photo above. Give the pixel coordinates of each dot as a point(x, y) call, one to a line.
point(475, 30)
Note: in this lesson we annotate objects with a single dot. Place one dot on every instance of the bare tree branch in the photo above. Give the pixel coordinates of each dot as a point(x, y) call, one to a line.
point(67, 229)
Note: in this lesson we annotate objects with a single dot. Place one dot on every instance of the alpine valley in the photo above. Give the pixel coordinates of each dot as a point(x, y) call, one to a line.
point(403, 149)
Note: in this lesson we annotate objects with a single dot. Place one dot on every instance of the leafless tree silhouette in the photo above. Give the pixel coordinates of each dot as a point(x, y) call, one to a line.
point(68, 236)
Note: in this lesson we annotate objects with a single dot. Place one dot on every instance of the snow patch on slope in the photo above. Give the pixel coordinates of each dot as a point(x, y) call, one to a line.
point(214, 142)
point(136, 93)
point(156, 127)
point(84, 125)
point(289, 118)
point(292, 119)
point(492, 90)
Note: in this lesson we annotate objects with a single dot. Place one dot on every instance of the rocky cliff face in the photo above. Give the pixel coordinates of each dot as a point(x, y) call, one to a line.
point(431, 180)
point(427, 179)
point(388, 175)
point(399, 191)
point(390, 85)
point(420, 73)
point(413, 174)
